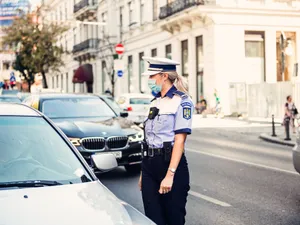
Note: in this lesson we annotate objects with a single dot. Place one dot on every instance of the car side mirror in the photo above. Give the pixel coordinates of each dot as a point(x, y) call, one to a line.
point(124, 114)
point(105, 162)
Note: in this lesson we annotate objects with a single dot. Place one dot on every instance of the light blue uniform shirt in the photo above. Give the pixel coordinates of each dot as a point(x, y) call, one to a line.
point(174, 117)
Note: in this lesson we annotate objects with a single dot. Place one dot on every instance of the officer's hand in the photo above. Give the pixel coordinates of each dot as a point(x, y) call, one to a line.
point(166, 185)
point(140, 182)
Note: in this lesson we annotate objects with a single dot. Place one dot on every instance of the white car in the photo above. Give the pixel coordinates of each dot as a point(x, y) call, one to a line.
point(136, 104)
point(45, 180)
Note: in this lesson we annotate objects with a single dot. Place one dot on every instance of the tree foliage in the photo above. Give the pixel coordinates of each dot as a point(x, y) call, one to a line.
point(35, 43)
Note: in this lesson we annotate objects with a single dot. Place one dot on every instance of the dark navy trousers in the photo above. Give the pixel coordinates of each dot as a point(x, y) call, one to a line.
point(164, 209)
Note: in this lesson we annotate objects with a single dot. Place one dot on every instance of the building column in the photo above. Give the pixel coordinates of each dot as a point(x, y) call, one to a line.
point(270, 56)
point(176, 52)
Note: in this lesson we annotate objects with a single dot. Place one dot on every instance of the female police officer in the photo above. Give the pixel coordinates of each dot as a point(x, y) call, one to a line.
point(164, 180)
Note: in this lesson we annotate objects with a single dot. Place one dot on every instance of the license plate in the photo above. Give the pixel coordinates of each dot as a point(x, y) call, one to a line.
point(118, 155)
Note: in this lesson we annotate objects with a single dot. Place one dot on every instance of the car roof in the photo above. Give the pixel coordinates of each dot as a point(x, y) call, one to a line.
point(63, 95)
point(17, 109)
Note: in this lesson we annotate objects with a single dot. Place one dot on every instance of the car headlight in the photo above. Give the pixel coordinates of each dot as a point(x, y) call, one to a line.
point(75, 141)
point(136, 137)
point(136, 216)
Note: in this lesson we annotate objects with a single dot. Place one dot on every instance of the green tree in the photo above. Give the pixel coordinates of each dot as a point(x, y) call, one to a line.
point(35, 43)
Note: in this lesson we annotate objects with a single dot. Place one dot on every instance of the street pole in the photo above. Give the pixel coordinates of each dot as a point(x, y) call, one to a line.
point(287, 129)
point(273, 127)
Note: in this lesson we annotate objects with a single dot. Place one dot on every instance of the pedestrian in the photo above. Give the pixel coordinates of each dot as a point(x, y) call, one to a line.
point(290, 112)
point(164, 179)
point(37, 86)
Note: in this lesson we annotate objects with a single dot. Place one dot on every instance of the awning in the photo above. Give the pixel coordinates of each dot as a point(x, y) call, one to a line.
point(84, 74)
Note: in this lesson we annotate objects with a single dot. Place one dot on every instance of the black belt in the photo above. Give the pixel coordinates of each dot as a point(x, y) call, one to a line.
point(151, 152)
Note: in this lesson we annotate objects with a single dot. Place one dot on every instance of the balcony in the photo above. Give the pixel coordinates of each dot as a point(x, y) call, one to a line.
point(177, 6)
point(86, 50)
point(86, 9)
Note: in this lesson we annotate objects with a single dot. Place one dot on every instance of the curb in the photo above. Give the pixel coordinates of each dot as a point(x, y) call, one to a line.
point(276, 140)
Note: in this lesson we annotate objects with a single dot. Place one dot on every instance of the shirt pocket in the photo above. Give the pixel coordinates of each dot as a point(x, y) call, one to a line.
point(164, 123)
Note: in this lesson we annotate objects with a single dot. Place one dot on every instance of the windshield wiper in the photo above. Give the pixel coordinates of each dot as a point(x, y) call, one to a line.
point(29, 183)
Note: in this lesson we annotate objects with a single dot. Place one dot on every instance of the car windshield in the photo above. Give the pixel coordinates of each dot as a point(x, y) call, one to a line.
point(113, 104)
point(76, 108)
point(140, 101)
point(10, 99)
point(31, 149)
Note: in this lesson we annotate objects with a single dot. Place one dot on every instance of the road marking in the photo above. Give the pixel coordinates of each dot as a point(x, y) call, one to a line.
point(209, 199)
point(244, 162)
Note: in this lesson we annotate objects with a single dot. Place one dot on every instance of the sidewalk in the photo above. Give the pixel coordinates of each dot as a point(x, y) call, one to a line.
point(280, 136)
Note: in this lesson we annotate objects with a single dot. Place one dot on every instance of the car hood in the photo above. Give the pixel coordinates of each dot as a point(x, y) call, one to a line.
point(94, 127)
point(74, 204)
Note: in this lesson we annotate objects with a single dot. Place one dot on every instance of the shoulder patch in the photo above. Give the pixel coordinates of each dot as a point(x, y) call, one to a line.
point(181, 94)
point(187, 110)
point(186, 104)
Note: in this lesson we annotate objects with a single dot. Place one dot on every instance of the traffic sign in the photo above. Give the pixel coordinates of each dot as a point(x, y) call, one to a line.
point(120, 73)
point(119, 49)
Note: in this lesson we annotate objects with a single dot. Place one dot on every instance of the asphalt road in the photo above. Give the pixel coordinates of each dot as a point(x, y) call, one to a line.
point(235, 179)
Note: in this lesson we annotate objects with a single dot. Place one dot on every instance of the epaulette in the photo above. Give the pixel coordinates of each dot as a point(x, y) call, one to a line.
point(181, 94)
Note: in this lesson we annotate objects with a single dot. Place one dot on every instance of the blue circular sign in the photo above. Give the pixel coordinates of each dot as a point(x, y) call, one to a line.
point(120, 73)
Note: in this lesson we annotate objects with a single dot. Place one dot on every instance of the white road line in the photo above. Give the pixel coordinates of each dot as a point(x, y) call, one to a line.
point(244, 162)
point(209, 199)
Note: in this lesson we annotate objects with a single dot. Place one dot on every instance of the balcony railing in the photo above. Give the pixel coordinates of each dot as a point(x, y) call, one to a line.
point(84, 3)
point(91, 44)
point(177, 6)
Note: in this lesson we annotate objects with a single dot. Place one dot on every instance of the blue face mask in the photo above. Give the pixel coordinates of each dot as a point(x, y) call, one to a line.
point(153, 86)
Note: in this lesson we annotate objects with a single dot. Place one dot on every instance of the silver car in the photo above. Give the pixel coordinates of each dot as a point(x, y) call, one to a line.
point(45, 180)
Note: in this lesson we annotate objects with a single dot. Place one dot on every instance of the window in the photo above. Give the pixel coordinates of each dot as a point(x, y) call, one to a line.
point(104, 19)
point(103, 66)
point(74, 36)
point(184, 58)
point(154, 52)
point(169, 51)
point(286, 55)
point(121, 22)
point(255, 56)
point(61, 82)
point(142, 7)
point(200, 67)
point(141, 70)
point(56, 161)
point(140, 101)
point(76, 108)
point(67, 82)
point(155, 11)
point(130, 78)
point(130, 7)
point(57, 77)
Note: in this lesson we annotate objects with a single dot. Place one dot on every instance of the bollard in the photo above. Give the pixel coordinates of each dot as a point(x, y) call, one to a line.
point(273, 127)
point(287, 129)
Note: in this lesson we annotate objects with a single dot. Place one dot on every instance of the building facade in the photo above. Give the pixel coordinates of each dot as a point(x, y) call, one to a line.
point(222, 45)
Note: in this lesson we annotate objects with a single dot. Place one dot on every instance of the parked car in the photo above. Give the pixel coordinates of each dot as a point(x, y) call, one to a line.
point(10, 98)
point(93, 127)
point(136, 104)
point(45, 179)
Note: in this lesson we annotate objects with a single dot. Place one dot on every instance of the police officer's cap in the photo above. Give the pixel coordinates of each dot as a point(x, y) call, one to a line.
point(158, 65)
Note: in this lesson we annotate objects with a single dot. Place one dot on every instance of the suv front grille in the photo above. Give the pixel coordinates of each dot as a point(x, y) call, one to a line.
point(93, 143)
point(116, 142)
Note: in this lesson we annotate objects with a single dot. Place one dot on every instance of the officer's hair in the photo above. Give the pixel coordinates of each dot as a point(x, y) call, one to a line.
point(178, 81)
